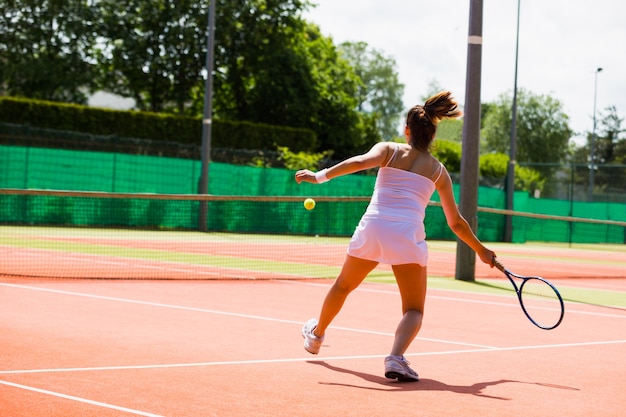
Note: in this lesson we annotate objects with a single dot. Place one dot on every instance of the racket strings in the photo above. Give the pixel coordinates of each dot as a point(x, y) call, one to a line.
point(541, 302)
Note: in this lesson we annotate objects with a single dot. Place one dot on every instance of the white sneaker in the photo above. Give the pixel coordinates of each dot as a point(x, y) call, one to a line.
point(312, 343)
point(398, 368)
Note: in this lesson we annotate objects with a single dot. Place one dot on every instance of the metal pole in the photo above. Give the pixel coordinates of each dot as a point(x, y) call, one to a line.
point(571, 201)
point(510, 174)
point(465, 256)
point(592, 153)
point(203, 187)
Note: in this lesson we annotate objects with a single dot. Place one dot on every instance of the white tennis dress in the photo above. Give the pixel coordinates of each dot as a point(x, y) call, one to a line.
point(392, 229)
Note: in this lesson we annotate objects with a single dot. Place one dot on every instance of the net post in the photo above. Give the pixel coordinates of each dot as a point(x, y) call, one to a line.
point(466, 258)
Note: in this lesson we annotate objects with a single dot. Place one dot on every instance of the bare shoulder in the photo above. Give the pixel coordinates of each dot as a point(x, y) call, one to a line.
point(390, 145)
point(440, 173)
point(404, 149)
point(382, 148)
point(436, 163)
point(386, 149)
point(431, 163)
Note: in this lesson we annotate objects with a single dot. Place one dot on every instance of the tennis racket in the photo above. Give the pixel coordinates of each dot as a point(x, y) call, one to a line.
point(541, 302)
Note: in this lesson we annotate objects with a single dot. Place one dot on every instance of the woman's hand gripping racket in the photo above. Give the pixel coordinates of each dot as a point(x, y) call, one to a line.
point(540, 300)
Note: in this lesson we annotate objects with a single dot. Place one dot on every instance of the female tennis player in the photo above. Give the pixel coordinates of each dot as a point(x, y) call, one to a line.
point(392, 229)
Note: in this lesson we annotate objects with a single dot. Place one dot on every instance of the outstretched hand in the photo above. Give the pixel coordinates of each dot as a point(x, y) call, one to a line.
point(305, 175)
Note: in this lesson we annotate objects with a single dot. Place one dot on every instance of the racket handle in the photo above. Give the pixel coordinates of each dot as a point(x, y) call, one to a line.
point(498, 265)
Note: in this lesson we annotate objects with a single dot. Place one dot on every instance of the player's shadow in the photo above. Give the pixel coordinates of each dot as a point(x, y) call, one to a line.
point(425, 384)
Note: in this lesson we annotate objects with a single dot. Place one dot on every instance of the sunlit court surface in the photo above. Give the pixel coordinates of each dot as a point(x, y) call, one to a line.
point(232, 347)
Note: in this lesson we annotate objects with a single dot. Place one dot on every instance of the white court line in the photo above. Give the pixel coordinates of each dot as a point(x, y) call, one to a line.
point(223, 313)
point(202, 310)
point(78, 399)
point(148, 303)
point(481, 349)
point(512, 303)
point(306, 359)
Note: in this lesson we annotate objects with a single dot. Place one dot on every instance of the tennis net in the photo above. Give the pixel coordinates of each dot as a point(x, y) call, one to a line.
point(69, 234)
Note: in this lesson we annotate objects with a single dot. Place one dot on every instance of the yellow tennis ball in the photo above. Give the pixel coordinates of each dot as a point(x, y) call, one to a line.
point(309, 204)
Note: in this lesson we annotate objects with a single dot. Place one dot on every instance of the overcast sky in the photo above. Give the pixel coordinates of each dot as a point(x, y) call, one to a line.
point(561, 44)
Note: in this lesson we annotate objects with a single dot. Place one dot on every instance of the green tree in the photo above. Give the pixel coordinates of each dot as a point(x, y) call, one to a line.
point(379, 91)
point(271, 66)
point(45, 49)
point(153, 50)
point(609, 153)
point(543, 132)
point(608, 145)
point(335, 117)
point(259, 70)
point(283, 71)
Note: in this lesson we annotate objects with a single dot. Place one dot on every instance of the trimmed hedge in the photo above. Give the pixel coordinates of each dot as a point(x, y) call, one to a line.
point(155, 126)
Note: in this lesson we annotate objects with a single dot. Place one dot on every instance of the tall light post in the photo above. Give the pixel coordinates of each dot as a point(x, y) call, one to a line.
point(510, 173)
point(468, 201)
point(203, 184)
point(592, 152)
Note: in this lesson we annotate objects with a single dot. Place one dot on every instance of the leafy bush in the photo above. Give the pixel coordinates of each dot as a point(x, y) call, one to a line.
point(448, 153)
point(529, 179)
point(154, 126)
point(495, 165)
point(302, 160)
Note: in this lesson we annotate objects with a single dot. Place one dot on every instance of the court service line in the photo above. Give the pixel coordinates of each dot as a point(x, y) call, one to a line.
point(512, 302)
point(306, 359)
point(79, 399)
point(149, 303)
point(223, 313)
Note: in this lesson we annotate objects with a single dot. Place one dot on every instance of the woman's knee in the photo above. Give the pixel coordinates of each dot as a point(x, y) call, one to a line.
point(414, 311)
point(344, 285)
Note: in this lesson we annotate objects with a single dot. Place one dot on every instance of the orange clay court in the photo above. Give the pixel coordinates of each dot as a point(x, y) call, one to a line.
point(232, 347)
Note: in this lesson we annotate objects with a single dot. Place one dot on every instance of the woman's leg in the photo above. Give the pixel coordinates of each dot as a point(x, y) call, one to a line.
point(352, 273)
point(411, 279)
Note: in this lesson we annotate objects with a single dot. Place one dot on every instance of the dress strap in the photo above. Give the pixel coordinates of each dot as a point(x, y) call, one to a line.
point(440, 171)
point(395, 151)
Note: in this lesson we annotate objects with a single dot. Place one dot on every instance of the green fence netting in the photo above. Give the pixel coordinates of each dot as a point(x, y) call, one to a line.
point(39, 168)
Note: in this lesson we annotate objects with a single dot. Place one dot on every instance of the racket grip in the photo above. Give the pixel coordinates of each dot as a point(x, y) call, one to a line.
point(498, 265)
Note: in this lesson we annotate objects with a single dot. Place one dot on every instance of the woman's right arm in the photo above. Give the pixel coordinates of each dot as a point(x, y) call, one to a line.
point(457, 222)
point(375, 157)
